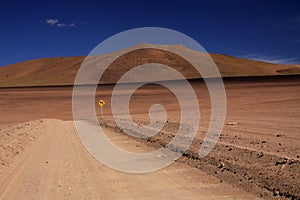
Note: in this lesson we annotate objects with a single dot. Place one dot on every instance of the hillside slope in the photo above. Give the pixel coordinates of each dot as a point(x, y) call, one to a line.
point(62, 70)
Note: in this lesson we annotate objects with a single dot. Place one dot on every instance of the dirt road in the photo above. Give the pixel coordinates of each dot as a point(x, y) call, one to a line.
point(54, 164)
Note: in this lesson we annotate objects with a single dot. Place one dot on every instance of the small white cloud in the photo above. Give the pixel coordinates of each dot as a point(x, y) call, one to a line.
point(52, 22)
point(271, 59)
point(72, 25)
point(65, 25)
point(61, 25)
point(57, 23)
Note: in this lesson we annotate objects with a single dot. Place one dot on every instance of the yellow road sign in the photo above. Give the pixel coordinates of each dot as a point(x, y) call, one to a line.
point(101, 102)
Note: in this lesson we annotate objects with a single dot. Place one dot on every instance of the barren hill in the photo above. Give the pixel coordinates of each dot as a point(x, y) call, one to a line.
point(62, 70)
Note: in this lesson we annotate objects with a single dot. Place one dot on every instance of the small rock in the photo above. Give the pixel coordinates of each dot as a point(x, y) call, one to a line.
point(221, 165)
point(279, 135)
point(281, 162)
point(276, 193)
point(259, 155)
point(232, 123)
point(291, 162)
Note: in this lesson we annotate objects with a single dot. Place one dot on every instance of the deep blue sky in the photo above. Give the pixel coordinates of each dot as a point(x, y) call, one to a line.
point(264, 30)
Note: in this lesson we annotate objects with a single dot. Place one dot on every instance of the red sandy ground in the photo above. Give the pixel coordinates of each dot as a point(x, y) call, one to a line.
point(259, 153)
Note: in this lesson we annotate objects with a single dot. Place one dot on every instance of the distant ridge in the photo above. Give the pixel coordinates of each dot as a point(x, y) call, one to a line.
point(62, 70)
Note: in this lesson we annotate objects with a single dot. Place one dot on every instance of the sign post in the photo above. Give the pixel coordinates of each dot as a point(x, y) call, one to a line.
point(101, 103)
